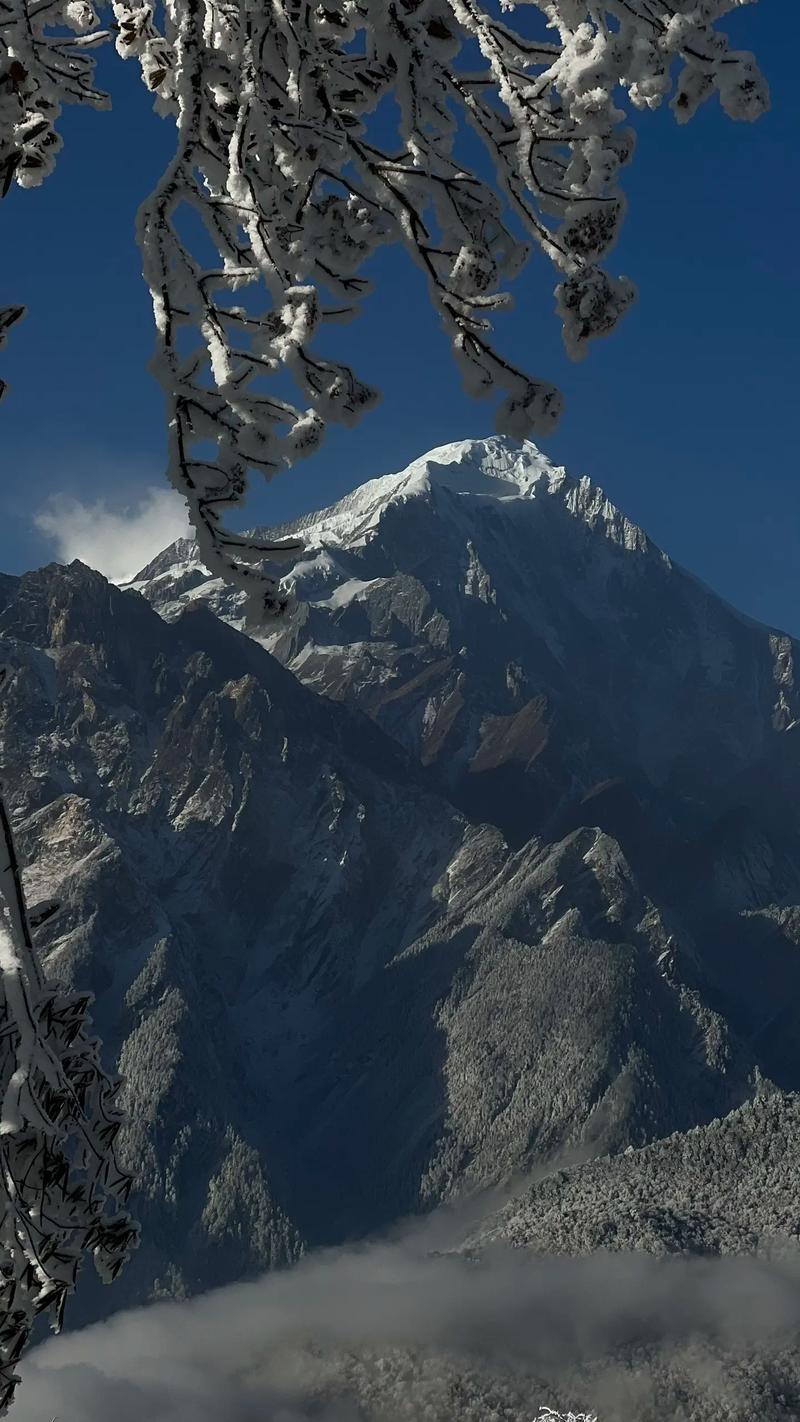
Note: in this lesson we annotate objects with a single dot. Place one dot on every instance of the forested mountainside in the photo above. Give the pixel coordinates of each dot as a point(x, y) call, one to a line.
point(730, 1187)
point(484, 862)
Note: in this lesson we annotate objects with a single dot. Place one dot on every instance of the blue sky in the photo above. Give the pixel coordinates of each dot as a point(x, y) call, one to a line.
point(687, 415)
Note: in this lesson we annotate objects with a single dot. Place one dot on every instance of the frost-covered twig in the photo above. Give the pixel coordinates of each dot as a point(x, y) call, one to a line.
point(548, 1414)
point(45, 62)
point(61, 1189)
point(9, 315)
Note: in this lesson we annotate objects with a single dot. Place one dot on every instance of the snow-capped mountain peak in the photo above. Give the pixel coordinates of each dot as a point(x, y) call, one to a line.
point(465, 474)
point(493, 469)
point(484, 468)
point(484, 606)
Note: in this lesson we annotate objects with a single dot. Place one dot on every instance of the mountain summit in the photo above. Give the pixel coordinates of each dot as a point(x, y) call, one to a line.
point(492, 468)
point(525, 642)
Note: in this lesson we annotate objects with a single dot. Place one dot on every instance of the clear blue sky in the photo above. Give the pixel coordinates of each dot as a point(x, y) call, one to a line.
point(687, 416)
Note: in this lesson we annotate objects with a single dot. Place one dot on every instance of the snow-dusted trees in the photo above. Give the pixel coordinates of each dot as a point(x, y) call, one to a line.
point(308, 135)
point(61, 1191)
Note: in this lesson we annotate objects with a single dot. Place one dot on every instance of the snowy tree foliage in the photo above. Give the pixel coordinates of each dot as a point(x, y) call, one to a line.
point(284, 162)
point(61, 1192)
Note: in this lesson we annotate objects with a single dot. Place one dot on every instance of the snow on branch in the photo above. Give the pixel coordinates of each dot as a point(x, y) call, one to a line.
point(61, 1189)
point(9, 315)
point(45, 62)
point(284, 183)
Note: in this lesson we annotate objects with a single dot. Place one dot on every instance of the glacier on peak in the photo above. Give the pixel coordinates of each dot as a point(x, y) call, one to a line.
point(494, 472)
point(489, 468)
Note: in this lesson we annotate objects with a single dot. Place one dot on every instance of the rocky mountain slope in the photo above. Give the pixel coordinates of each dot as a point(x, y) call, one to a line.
point(487, 859)
point(550, 669)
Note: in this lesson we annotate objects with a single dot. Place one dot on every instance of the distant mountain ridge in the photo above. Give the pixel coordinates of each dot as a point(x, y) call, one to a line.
point(487, 857)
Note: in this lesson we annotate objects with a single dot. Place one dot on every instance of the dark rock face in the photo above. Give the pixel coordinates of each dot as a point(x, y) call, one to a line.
point(487, 857)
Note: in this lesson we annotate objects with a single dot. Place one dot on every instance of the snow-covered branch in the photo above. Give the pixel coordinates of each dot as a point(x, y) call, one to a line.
point(45, 62)
point(9, 315)
point(309, 135)
point(284, 156)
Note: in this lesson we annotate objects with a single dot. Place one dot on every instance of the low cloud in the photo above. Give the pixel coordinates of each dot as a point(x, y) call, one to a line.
point(391, 1331)
point(117, 541)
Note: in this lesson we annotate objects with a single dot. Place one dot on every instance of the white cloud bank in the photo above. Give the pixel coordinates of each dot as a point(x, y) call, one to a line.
point(116, 541)
point(391, 1333)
